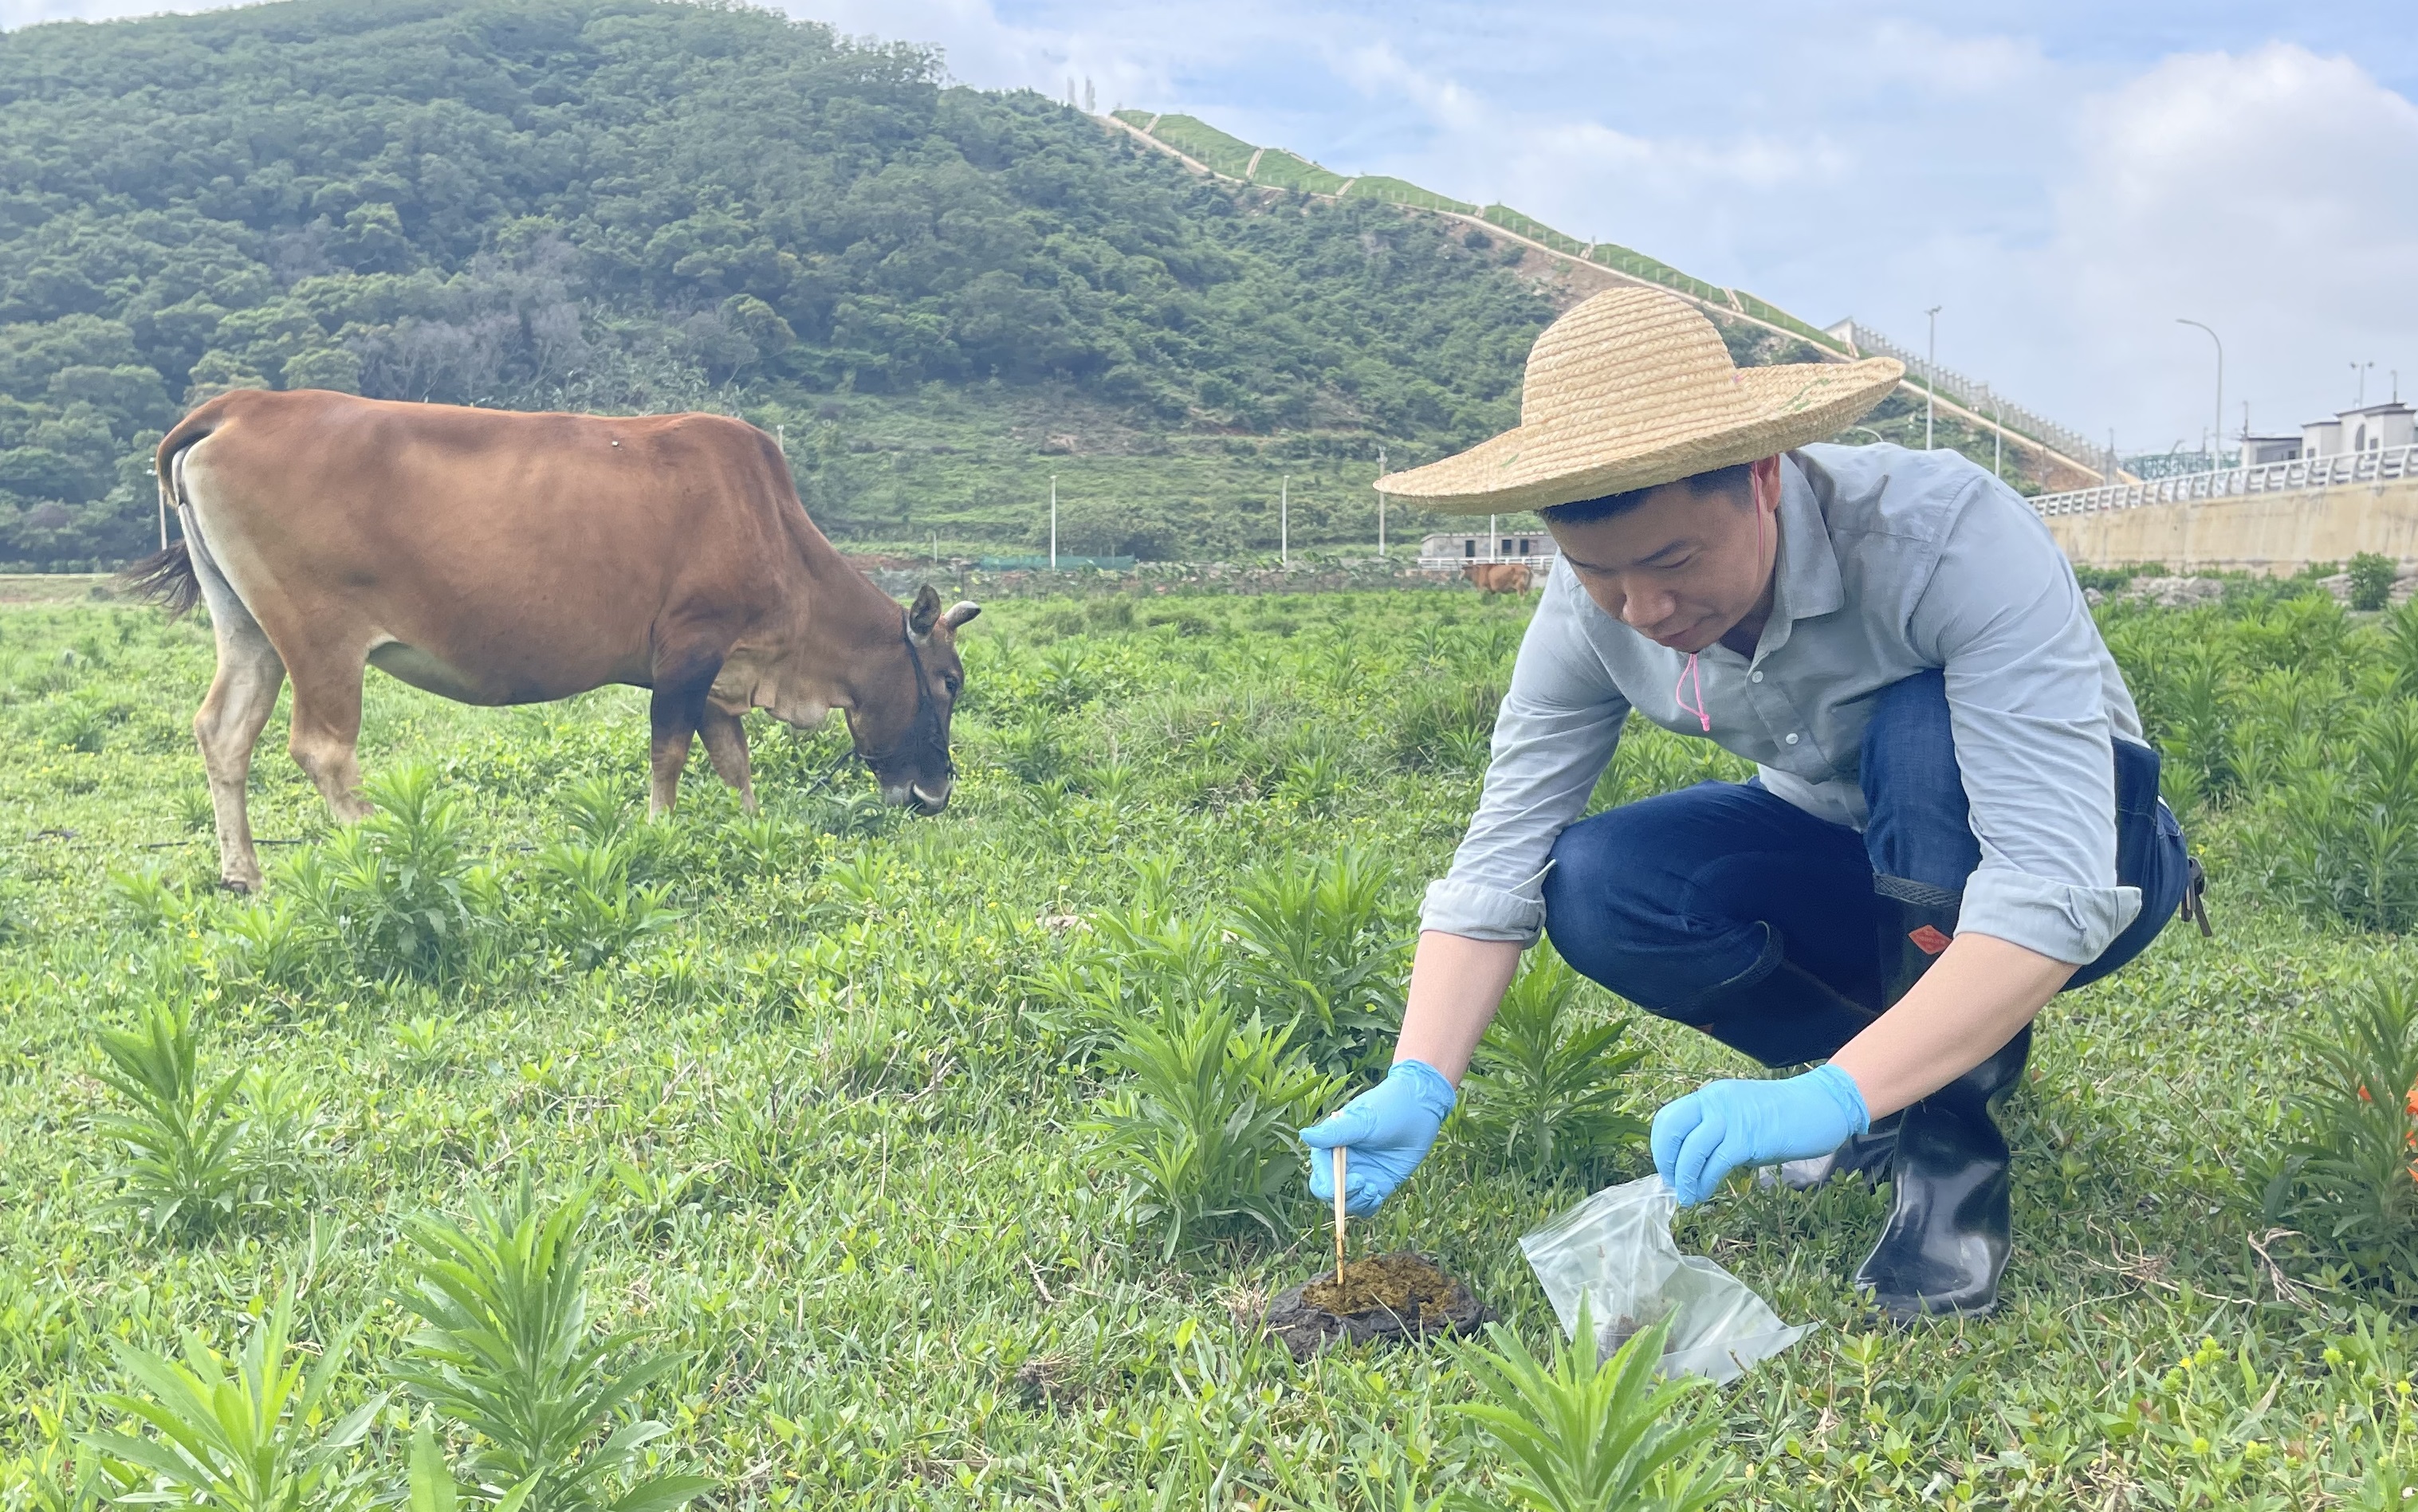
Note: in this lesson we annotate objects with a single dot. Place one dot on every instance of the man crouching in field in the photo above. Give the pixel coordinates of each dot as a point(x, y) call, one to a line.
point(1956, 815)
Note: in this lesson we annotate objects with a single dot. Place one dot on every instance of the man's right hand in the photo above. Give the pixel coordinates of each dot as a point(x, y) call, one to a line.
point(1385, 1131)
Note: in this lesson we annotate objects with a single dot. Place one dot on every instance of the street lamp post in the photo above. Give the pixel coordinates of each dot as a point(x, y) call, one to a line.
point(2360, 369)
point(1930, 375)
point(2216, 446)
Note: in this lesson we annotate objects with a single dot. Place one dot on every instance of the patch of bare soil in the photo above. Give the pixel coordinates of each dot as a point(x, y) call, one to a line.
point(1401, 1297)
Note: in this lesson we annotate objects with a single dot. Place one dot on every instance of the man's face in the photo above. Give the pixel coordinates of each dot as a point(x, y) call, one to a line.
point(1685, 567)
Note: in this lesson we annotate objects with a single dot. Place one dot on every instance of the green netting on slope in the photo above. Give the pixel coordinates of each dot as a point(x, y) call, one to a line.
point(1637, 264)
point(1403, 192)
point(1290, 170)
point(1204, 144)
point(1532, 228)
point(1770, 314)
point(1280, 169)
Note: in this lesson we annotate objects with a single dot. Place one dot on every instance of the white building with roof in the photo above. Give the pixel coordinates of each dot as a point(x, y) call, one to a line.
point(2384, 427)
point(1450, 549)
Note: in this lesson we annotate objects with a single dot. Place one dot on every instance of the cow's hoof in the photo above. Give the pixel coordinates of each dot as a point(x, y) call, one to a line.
point(238, 886)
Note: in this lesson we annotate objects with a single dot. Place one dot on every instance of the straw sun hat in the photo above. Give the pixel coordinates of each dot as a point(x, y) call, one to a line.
point(1631, 388)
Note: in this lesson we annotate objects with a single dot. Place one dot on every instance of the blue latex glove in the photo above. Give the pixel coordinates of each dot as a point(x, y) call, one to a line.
point(1700, 1138)
point(1385, 1133)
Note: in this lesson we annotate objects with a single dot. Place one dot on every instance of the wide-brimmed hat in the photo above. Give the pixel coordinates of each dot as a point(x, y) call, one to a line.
point(1634, 387)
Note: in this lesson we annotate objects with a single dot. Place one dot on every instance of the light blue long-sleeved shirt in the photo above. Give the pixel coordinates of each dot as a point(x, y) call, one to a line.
point(1891, 561)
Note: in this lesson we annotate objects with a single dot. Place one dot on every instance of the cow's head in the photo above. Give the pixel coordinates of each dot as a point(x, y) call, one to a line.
point(901, 727)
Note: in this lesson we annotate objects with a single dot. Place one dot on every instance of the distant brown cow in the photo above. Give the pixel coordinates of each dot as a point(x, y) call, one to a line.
point(497, 558)
point(1497, 577)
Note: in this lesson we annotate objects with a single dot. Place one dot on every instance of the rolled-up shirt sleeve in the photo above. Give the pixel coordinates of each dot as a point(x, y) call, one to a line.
point(1553, 736)
point(2003, 615)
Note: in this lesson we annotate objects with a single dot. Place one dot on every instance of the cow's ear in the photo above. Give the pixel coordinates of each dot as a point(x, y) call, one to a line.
point(958, 614)
point(924, 612)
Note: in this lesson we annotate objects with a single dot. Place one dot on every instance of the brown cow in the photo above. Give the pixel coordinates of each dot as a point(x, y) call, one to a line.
point(497, 558)
point(1498, 577)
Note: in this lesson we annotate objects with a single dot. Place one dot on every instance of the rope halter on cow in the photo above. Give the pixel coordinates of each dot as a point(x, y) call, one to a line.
point(927, 724)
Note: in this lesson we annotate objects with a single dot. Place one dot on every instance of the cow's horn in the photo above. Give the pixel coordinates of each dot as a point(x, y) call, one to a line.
point(960, 613)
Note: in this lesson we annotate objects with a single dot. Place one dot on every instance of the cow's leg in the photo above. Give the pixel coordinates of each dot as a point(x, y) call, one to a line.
point(228, 725)
point(674, 715)
point(726, 746)
point(327, 732)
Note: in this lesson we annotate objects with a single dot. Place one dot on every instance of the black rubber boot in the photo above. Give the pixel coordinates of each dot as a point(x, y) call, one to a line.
point(1950, 1226)
point(1776, 1011)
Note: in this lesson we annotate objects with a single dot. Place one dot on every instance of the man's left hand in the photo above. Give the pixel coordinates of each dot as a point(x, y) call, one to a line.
point(1700, 1138)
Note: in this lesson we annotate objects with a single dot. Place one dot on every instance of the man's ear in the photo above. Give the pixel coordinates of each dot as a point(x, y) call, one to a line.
point(1763, 476)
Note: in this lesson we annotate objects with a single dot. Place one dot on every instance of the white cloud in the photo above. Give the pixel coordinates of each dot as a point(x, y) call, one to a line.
point(1902, 54)
point(1375, 69)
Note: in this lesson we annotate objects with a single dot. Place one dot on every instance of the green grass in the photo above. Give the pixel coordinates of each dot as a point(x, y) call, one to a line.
point(974, 464)
point(846, 1175)
point(1403, 192)
point(1639, 266)
point(1290, 169)
point(1204, 144)
point(1534, 229)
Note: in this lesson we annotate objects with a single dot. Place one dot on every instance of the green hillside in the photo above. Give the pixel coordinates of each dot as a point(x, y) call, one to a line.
point(941, 294)
point(941, 297)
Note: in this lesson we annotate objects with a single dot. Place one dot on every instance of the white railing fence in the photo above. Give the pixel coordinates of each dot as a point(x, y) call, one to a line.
point(1973, 395)
point(2267, 478)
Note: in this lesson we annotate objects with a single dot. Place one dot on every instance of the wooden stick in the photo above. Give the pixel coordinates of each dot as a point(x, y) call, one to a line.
point(1339, 1221)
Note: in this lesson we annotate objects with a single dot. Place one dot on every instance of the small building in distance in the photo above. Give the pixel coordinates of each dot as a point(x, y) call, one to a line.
point(2385, 427)
point(2258, 451)
point(1449, 549)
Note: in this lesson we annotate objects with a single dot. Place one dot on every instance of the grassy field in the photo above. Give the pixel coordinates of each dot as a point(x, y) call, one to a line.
point(845, 1093)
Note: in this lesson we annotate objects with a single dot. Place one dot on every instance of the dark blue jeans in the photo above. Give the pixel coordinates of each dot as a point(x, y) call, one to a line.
point(1666, 898)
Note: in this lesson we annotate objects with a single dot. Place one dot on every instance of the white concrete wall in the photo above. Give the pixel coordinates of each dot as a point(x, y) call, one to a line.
point(2273, 533)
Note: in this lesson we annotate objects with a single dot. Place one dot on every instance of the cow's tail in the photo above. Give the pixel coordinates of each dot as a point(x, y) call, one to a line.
point(166, 577)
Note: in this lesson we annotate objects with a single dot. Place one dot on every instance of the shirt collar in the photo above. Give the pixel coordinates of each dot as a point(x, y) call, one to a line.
point(1806, 583)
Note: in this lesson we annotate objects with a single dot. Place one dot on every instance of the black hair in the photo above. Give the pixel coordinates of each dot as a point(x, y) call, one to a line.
point(1734, 481)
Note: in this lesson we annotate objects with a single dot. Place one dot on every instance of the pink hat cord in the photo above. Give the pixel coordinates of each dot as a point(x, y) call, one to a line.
point(1680, 693)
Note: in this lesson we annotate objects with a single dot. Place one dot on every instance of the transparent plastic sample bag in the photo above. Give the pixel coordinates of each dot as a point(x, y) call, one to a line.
point(1614, 1249)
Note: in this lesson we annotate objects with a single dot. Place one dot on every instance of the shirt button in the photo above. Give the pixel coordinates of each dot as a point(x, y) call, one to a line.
point(1754, 677)
point(1792, 739)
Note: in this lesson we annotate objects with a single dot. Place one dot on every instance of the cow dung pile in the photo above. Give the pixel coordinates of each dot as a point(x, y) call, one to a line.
point(1401, 1297)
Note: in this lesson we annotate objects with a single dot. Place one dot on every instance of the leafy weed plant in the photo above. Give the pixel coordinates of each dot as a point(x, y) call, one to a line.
point(505, 1350)
point(398, 888)
point(1204, 1132)
point(249, 1433)
point(1580, 1436)
point(268, 943)
point(1547, 1091)
point(2352, 1181)
point(2345, 828)
point(145, 898)
point(1319, 952)
point(593, 913)
point(186, 1164)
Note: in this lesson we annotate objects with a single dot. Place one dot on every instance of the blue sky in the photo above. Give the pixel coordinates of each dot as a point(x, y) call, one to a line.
point(2062, 179)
